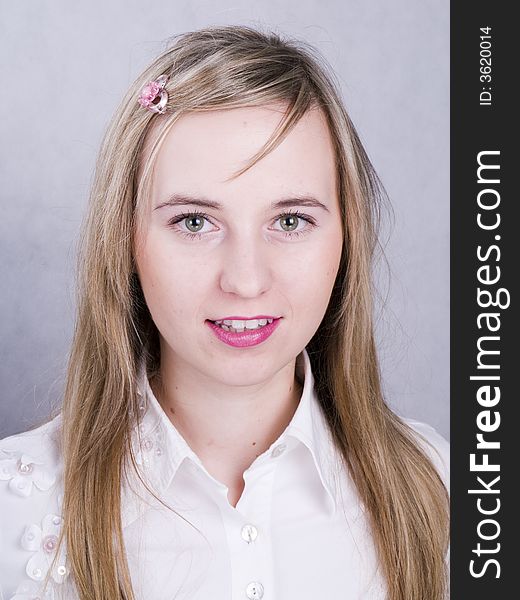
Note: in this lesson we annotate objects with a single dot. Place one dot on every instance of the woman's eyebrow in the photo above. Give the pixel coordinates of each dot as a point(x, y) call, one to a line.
point(183, 199)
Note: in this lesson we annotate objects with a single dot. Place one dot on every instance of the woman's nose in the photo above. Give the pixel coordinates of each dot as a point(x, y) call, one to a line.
point(245, 269)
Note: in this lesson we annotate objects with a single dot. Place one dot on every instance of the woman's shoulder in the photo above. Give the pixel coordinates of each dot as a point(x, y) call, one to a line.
point(30, 506)
point(434, 444)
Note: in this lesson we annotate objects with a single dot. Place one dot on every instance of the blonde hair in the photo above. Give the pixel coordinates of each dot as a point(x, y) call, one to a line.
point(405, 499)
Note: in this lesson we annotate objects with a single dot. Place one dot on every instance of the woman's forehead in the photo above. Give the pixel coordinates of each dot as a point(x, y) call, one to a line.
point(202, 151)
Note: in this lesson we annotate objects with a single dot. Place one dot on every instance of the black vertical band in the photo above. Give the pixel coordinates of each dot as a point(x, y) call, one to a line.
point(485, 267)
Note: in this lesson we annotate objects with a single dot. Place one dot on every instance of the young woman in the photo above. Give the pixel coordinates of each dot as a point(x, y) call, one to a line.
point(223, 432)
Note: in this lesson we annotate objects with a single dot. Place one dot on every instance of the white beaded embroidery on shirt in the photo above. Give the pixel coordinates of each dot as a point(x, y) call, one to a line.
point(43, 543)
point(23, 472)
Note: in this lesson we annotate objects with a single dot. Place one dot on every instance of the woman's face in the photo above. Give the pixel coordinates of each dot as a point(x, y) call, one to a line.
point(266, 244)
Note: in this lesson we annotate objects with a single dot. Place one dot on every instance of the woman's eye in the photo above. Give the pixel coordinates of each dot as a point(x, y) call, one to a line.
point(289, 222)
point(195, 223)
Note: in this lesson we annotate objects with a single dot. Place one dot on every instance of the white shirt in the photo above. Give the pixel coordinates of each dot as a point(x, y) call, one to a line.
point(298, 531)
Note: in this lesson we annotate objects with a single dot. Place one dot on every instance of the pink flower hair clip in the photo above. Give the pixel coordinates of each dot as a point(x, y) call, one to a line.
point(153, 96)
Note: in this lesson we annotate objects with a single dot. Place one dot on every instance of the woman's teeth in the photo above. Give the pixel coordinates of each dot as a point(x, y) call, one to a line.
point(239, 326)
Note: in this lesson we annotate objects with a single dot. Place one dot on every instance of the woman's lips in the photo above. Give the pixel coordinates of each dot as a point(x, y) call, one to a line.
point(248, 337)
point(244, 318)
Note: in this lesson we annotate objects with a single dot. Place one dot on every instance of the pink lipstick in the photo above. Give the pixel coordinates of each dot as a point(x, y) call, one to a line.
point(248, 337)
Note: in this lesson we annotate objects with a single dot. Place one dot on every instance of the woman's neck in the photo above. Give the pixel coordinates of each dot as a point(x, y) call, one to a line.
point(227, 426)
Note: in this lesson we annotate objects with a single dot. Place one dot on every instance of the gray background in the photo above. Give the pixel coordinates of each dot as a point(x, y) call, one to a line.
point(64, 67)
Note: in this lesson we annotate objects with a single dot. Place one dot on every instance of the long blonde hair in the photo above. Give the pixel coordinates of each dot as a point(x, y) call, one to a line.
point(405, 499)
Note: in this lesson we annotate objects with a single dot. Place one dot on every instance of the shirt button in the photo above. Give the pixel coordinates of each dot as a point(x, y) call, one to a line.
point(249, 533)
point(277, 450)
point(254, 590)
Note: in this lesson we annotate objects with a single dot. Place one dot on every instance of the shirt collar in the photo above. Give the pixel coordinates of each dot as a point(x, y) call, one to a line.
point(309, 426)
point(160, 449)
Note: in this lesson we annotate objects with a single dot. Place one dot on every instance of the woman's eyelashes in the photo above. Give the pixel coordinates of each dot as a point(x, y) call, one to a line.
point(194, 223)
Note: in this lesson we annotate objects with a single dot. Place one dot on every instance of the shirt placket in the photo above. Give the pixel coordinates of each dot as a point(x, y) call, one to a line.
point(248, 531)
